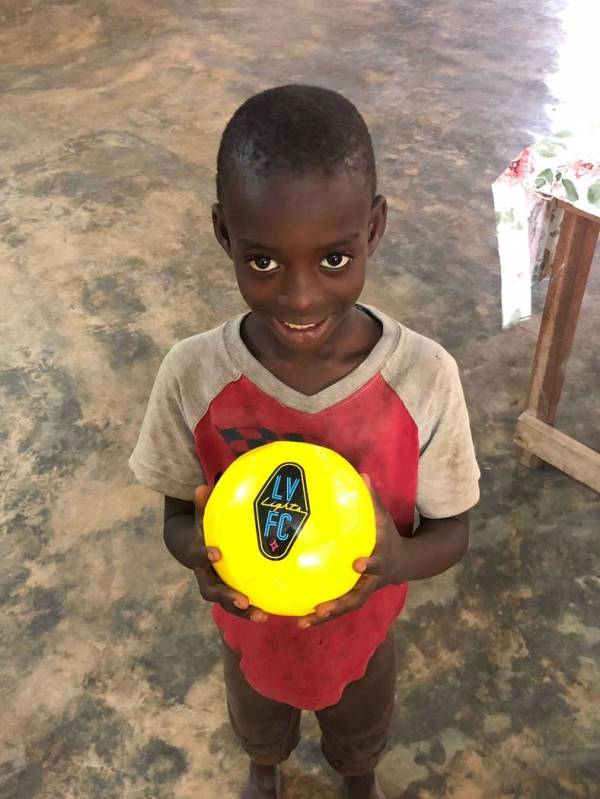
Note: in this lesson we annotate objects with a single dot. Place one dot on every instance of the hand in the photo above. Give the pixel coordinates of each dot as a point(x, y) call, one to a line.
point(382, 568)
point(212, 588)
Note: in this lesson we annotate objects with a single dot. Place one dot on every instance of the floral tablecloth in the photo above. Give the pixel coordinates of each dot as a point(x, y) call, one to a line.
point(564, 166)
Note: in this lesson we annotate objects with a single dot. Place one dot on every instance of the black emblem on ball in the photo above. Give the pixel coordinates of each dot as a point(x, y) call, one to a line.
point(281, 510)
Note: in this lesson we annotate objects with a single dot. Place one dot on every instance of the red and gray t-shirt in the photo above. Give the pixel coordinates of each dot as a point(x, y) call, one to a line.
point(400, 417)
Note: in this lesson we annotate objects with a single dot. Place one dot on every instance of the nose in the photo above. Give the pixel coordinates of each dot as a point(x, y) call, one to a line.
point(302, 295)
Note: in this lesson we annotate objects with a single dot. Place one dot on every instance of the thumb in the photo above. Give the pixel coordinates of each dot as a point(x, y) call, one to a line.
point(201, 495)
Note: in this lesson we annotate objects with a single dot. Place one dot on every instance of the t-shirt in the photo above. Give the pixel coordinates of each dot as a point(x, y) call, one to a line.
point(400, 417)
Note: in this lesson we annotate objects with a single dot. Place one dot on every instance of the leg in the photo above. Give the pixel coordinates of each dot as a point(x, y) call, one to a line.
point(354, 732)
point(570, 270)
point(267, 730)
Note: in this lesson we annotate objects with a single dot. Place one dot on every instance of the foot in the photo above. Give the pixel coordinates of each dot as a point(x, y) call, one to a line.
point(264, 782)
point(363, 787)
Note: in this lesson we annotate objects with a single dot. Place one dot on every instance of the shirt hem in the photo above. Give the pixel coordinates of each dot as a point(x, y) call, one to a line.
point(304, 701)
point(158, 481)
point(470, 500)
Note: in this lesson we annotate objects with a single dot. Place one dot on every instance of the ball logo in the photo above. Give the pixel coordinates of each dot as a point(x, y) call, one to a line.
point(281, 510)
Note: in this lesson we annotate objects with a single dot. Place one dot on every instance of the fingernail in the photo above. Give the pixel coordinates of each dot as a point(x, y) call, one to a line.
point(211, 556)
point(304, 624)
point(238, 604)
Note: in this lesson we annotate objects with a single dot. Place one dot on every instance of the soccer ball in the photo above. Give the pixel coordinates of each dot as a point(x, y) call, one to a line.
point(290, 518)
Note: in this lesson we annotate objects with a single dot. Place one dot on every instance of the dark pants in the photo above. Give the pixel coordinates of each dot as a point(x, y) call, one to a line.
point(353, 732)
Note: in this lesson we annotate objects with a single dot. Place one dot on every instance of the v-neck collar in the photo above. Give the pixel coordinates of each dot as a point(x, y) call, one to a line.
point(253, 369)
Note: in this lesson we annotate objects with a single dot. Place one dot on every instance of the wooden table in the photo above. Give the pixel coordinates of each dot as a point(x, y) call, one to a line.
point(536, 435)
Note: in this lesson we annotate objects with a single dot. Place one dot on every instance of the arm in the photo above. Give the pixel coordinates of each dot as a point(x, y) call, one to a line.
point(436, 546)
point(180, 533)
point(184, 538)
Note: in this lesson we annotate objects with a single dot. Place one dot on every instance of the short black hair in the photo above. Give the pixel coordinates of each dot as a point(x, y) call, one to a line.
point(295, 129)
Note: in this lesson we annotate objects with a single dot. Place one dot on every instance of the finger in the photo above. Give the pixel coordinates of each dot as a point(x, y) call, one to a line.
point(257, 615)
point(201, 556)
point(373, 565)
point(322, 612)
point(251, 613)
point(201, 495)
point(213, 554)
point(354, 599)
point(321, 616)
point(213, 589)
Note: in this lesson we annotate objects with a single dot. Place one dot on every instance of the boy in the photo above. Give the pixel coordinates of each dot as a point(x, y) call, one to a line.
point(298, 214)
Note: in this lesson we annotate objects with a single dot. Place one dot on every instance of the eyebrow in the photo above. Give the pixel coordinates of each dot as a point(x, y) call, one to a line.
point(338, 243)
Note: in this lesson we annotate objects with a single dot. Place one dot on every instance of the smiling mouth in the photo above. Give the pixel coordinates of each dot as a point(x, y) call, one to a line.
point(300, 327)
point(302, 333)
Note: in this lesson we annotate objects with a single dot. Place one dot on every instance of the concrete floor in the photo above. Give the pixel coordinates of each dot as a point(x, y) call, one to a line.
point(110, 119)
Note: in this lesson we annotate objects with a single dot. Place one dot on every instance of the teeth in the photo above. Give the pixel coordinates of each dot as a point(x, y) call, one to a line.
point(300, 327)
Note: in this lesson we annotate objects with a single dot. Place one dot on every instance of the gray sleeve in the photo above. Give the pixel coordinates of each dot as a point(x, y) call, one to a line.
point(448, 472)
point(425, 377)
point(164, 457)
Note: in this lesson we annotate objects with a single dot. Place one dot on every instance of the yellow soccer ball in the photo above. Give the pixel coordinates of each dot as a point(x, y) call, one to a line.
point(290, 519)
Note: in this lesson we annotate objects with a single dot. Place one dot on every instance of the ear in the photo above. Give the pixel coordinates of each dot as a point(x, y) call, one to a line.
point(220, 228)
point(377, 222)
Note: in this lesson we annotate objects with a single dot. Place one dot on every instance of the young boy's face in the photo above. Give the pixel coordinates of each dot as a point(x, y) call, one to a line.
point(300, 247)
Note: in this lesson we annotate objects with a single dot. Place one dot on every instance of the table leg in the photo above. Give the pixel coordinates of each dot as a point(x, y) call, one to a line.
point(570, 270)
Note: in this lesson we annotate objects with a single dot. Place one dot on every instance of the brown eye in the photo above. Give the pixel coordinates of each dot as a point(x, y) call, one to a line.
point(335, 261)
point(263, 263)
